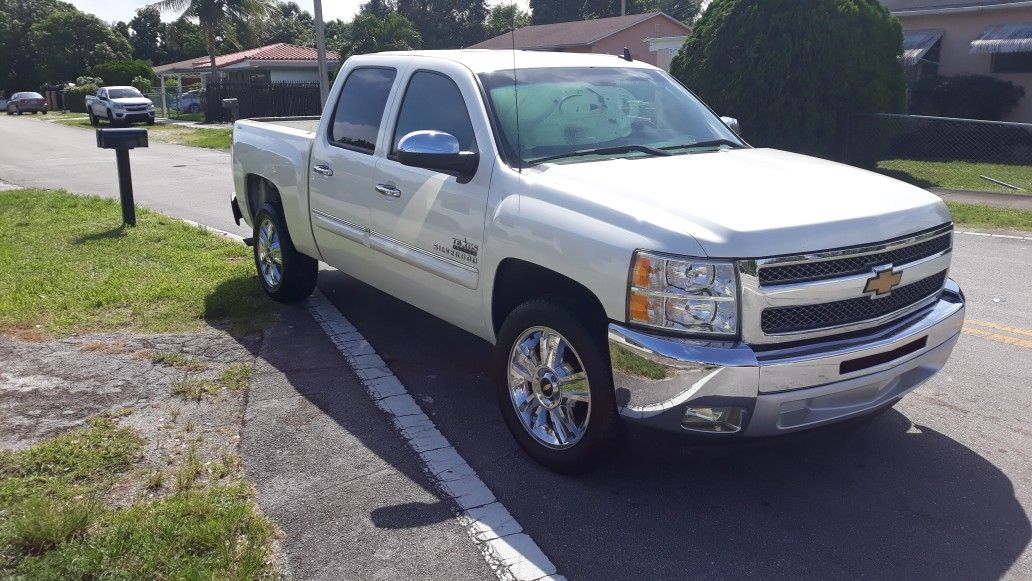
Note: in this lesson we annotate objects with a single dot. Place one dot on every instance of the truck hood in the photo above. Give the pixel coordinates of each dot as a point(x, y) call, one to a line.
point(132, 101)
point(751, 203)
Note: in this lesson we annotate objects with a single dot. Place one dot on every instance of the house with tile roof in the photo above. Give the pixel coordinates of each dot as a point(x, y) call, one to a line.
point(274, 63)
point(969, 37)
point(652, 37)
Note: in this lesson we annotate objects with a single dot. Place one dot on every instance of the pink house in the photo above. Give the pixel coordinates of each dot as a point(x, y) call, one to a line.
point(652, 37)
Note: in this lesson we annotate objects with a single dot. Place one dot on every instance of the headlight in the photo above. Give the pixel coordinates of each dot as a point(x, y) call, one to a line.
point(683, 294)
point(116, 105)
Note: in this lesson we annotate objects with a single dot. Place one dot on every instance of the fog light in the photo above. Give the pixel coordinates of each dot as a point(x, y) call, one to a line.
point(726, 420)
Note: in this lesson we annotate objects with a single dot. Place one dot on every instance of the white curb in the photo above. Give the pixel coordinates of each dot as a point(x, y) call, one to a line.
point(510, 552)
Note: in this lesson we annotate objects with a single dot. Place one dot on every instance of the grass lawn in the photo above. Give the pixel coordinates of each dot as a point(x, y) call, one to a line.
point(56, 521)
point(66, 265)
point(959, 175)
point(979, 216)
point(215, 138)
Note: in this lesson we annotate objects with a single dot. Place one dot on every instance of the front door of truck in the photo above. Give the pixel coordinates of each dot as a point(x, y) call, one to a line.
point(342, 168)
point(429, 224)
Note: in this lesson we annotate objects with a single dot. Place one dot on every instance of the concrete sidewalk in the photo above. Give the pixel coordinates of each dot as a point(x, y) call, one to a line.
point(345, 488)
point(997, 200)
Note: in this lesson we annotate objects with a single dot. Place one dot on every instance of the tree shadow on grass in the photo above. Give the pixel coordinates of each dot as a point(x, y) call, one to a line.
point(907, 177)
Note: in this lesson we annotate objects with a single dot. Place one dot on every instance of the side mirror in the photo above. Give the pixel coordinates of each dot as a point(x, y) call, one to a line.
point(731, 123)
point(436, 150)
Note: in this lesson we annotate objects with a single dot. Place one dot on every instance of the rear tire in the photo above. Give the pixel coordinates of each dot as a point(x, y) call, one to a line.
point(285, 274)
point(555, 387)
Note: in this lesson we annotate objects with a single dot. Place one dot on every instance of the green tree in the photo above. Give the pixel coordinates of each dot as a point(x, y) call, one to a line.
point(505, 17)
point(795, 72)
point(367, 33)
point(147, 31)
point(20, 66)
point(70, 43)
point(122, 72)
point(217, 17)
point(683, 10)
point(182, 40)
point(446, 23)
point(287, 22)
point(550, 11)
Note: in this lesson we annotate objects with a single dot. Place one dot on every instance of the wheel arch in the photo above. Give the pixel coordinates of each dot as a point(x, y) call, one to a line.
point(517, 281)
point(260, 190)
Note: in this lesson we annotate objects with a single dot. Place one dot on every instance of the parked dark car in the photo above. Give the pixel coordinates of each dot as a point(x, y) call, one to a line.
point(27, 102)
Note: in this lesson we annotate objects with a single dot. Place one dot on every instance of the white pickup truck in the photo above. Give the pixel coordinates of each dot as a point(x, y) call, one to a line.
point(630, 257)
point(119, 105)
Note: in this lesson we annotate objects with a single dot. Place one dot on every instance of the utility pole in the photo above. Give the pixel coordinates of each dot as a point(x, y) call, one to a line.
point(320, 49)
point(623, 7)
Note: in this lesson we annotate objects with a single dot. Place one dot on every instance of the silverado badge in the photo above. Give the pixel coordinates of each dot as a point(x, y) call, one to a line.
point(883, 281)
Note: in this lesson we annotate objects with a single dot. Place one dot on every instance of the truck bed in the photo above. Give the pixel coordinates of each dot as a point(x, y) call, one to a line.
point(306, 124)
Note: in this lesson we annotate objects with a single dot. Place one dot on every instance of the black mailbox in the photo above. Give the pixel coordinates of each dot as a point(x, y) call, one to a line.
point(122, 140)
point(129, 138)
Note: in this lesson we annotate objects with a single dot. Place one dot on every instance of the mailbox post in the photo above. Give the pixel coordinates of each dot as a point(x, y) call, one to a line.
point(122, 140)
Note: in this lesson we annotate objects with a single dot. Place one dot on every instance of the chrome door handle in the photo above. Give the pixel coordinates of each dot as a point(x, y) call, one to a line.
point(388, 190)
point(322, 170)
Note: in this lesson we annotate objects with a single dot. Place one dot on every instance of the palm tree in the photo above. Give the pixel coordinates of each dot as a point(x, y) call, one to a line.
point(369, 33)
point(217, 16)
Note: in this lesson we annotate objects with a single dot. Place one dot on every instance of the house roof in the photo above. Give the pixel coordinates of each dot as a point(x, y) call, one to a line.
point(570, 34)
point(280, 51)
point(904, 6)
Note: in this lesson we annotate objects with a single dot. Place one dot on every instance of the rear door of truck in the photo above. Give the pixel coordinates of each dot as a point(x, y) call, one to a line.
point(343, 165)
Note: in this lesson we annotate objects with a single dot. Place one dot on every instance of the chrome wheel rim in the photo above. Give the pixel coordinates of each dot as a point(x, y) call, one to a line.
point(270, 256)
point(549, 388)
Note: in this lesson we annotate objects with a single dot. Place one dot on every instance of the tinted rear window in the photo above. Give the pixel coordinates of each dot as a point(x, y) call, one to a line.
point(356, 120)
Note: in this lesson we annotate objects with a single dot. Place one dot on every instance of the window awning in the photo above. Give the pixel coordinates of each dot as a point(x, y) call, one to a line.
point(917, 43)
point(1014, 37)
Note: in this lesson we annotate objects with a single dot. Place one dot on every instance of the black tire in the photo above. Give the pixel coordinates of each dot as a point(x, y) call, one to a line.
point(9, 111)
point(44, 111)
point(588, 341)
point(94, 121)
point(298, 273)
point(19, 111)
point(150, 122)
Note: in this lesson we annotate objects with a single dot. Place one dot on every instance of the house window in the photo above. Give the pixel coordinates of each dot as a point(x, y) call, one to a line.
point(1011, 62)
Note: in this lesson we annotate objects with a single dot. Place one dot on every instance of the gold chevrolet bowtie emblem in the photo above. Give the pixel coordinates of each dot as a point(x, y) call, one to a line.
point(883, 282)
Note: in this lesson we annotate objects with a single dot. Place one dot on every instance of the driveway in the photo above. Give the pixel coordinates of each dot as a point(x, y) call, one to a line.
point(938, 487)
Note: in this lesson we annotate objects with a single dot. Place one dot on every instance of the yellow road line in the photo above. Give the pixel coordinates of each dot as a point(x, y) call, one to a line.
point(999, 327)
point(1027, 343)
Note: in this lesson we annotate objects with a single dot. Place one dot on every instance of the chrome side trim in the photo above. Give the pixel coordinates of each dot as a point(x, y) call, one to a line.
point(340, 227)
point(445, 268)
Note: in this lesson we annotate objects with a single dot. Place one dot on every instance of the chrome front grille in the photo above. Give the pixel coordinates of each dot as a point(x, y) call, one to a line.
point(831, 268)
point(795, 298)
point(834, 314)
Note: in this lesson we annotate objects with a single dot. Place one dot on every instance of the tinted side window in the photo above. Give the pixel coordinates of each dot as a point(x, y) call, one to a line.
point(363, 98)
point(432, 101)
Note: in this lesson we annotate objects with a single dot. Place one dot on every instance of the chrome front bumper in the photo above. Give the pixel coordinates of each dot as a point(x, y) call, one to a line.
point(781, 389)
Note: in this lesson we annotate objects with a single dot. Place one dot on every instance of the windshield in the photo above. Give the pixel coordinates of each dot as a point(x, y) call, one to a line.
point(620, 111)
point(27, 96)
point(123, 93)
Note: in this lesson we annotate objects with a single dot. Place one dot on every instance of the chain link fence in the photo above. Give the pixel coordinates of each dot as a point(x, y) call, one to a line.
point(942, 152)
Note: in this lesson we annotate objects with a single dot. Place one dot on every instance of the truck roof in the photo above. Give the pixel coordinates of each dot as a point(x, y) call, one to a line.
point(488, 60)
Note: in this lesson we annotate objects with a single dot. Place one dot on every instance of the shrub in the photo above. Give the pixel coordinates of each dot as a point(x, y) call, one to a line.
point(794, 73)
point(123, 72)
point(143, 84)
point(75, 96)
point(965, 96)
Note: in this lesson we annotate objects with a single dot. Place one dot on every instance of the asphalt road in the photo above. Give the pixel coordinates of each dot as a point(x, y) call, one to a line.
point(938, 487)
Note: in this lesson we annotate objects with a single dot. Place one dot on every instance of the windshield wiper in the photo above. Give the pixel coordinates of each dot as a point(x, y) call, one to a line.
point(603, 151)
point(710, 143)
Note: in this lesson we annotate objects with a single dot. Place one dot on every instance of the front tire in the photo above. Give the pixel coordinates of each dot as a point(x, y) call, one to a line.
point(286, 275)
point(94, 121)
point(555, 387)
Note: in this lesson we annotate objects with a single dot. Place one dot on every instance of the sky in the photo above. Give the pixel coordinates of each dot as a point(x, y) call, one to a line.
point(115, 10)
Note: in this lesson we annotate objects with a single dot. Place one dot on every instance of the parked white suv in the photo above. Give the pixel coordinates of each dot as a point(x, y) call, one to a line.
point(627, 253)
